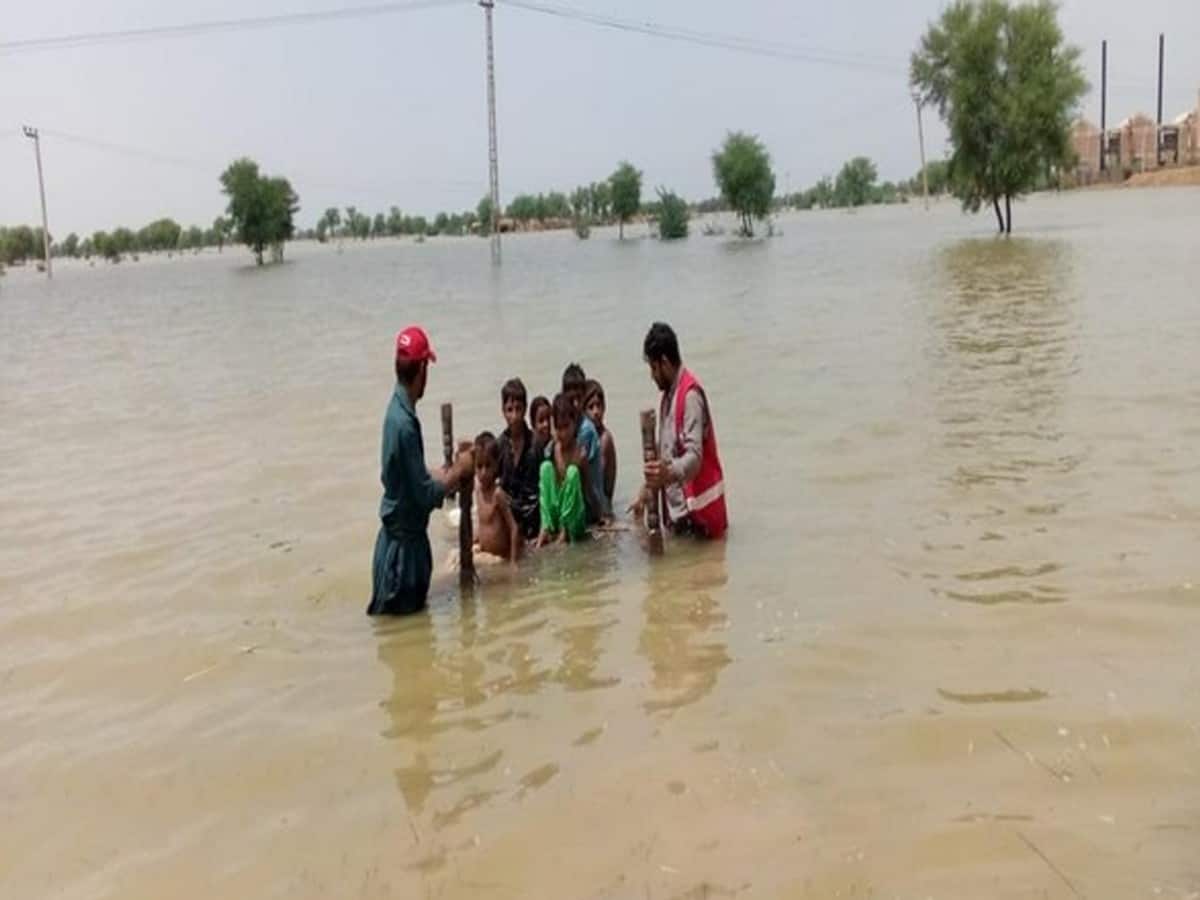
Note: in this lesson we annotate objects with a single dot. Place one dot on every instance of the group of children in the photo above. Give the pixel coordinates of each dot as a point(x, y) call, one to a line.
point(548, 480)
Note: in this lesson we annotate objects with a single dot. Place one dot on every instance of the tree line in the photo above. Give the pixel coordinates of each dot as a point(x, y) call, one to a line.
point(23, 242)
point(857, 184)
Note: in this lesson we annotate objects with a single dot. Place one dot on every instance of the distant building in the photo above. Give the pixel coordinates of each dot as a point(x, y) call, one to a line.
point(1184, 136)
point(1085, 141)
point(1139, 143)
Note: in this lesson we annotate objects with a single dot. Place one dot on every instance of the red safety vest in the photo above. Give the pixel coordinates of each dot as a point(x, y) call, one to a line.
point(705, 494)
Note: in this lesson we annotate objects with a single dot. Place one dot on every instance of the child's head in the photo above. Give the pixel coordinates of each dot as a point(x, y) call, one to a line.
point(512, 403)
point(566, 420)
point(539, 418)
point(574, 383)
point(593, 402)
point(487, 459)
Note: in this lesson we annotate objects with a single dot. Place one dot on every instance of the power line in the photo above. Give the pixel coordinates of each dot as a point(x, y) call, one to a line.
point(210, 165)
point(87, 39)
point(752, 46)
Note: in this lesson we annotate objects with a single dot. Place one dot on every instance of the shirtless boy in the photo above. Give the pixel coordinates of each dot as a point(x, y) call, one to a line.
point(497, 532)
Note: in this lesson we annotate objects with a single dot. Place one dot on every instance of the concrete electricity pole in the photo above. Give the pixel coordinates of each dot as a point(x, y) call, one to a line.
point(921, 139)
point(32, 134)
point(493, 153)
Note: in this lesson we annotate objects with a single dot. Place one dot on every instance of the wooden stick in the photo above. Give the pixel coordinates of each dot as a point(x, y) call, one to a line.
point(649, 454)
point(448, 433)
point(466, 530)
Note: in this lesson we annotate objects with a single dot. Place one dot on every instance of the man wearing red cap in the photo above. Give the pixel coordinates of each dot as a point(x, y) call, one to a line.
point(403, 564)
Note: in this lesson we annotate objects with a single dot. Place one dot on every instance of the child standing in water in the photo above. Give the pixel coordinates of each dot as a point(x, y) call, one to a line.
point(520, 459)
point(563, 479)
point(539, 421)
point(498, 533)
point(594, 405)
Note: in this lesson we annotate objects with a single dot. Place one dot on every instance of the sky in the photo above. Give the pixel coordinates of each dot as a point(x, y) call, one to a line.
point(391, 110)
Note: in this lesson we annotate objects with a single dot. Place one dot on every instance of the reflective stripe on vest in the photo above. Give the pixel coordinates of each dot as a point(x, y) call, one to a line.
point(707, 498)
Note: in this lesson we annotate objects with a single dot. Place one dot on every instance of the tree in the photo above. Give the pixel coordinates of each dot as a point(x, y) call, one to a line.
point(1007, 86)
point(379, 226)
point(625, 190)
point(195, 237)
point(16, 244)
point(855, 184)
point(262, 209)
point(332, 219)
point(600, 196)
point(523, 208)
point(395, 222)
point(220, 229)
point(742, 168)
point(484, 211)
point(672, 216)
point(938, 173)
point(70, 246)
point(580, 202)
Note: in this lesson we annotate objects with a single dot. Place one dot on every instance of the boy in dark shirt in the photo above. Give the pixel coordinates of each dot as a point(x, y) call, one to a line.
point(519, 459)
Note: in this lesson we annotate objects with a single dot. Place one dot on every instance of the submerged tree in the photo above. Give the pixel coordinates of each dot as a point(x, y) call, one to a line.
point(742, 168)
point(855, 184)
point(1007, 85)
point(625, 191)
point(672, 216)
point(261, 209)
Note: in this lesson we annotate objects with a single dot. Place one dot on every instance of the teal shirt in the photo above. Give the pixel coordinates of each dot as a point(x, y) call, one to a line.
point(409, 493)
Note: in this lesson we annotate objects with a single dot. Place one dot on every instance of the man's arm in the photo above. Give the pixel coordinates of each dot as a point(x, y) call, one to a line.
point(682, 469)
point(430, 487)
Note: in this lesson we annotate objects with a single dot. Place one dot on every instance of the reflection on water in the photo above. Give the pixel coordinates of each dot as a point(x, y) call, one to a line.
point(682, 637)
point(1002, 356)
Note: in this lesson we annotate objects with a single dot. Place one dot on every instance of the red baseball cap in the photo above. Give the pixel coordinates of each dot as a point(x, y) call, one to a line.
point(413, 344)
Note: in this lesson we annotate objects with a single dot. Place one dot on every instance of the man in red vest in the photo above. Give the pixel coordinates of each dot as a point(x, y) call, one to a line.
point(688, 470)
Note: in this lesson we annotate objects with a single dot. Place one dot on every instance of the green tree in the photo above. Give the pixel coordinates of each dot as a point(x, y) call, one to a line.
point(625, 186)
point(580, 202)
point(70, 246)
point(556, 206)
point(195, 237)
point(331, 219)
point(220, 227)
point(523, 208)
point(484, 211)
point(16, 244)
point(395, 222)
point(742, 168)
point(1007, 86)
point(262, 209)
point(672, 216)
point(600, 195)
point(855, 185)
point(379, 226)
point(938, 173)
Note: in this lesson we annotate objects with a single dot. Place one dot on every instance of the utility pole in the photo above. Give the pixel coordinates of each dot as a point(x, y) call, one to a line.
point(1103, 106)
point(1158, 131)
point(921, 139)
point(32, 134)
point(493, 152)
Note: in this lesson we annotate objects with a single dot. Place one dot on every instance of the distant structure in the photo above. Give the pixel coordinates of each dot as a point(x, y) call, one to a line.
point(1138, 144)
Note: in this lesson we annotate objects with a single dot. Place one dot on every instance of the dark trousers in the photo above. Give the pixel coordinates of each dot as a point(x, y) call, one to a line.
point(401, 571)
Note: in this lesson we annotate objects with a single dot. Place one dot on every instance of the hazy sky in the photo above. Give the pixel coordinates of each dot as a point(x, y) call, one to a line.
point(391, 110)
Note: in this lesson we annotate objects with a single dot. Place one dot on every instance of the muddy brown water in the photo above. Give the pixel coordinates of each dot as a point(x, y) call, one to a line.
point(949, 649)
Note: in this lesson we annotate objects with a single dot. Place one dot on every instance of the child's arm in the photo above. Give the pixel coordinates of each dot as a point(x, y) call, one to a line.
point(514, 533)
point(609, 448)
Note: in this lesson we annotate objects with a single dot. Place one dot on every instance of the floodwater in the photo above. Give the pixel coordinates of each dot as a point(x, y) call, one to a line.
point(949, 649)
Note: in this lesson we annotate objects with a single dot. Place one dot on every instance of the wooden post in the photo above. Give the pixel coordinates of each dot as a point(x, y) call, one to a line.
point(650, 453)
point(466, 531)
